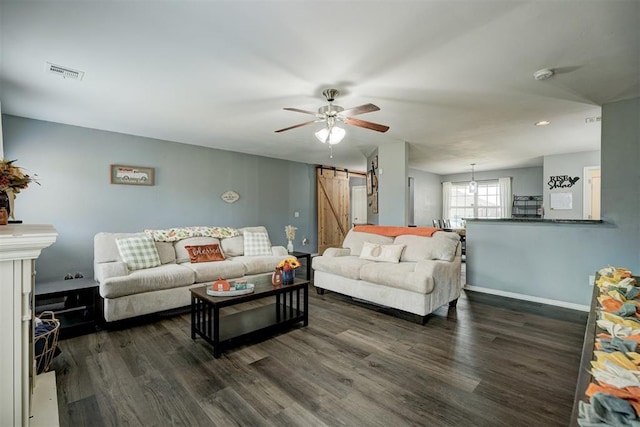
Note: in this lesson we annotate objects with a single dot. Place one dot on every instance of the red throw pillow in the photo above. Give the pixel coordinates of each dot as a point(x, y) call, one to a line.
point(205, 253)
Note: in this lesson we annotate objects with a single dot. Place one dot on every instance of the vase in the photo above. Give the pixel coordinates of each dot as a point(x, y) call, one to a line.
point(287, 277)
point(290, 246)
point(5, 202)
point(276, 277)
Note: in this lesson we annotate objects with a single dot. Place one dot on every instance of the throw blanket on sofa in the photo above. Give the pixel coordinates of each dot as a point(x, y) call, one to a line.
point(394, 231)
point(179, 233)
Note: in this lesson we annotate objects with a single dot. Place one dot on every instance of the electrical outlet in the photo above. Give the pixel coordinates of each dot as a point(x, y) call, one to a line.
point(592, 279)
point(296, 214)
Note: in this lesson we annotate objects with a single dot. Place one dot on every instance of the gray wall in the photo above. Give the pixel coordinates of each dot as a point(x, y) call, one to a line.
point(427, 200)
point(77, 198)
point(393, 195)
point(554, 261)
point(573, 166)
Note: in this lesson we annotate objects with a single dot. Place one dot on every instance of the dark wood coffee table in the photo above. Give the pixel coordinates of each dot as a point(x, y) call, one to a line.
point(260, 322)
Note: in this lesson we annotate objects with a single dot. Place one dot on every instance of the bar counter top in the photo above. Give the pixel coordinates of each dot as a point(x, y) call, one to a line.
point(536, 220)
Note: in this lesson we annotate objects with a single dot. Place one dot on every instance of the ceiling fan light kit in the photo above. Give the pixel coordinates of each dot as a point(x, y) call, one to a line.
point(331, 114)
point(332, 135)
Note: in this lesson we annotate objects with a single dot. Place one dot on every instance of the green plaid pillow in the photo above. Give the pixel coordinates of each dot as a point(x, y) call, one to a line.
point(138, 252)
point(256, 243)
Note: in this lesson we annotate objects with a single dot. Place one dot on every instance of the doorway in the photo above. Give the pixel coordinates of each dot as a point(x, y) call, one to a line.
point(591, 196)
point(359, 204)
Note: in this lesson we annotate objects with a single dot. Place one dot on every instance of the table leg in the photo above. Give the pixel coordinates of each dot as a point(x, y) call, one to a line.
point(216, 333)
point(306, 305)
point(308, 267)
point(193, 317)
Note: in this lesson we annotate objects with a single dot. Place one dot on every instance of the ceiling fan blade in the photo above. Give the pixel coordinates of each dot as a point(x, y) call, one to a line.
point(298, 110)
point(366, 108)
point(365, 124)
point(297, 126)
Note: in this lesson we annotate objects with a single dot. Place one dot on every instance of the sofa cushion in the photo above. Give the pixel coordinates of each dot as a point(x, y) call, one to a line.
point(441, 246)
point(402, 275)
point(138, 252)
point(205, 253)
point(355, 240)
point(381, 253)
point(233, 246)
point(166, 252)
point(259, 264)
point(182, 255)
point(256, 243)
point(210, 271)
point(346, 266)
point(151, 279)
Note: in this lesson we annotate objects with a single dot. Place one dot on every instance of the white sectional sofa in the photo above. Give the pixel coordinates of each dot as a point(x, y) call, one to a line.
point(129, 293)
point(425, 276)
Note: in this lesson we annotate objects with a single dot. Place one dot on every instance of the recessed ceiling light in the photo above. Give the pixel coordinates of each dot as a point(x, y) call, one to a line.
point(542, 123)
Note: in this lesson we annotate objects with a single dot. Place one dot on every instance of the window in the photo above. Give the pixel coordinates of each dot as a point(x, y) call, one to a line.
point(486, 203)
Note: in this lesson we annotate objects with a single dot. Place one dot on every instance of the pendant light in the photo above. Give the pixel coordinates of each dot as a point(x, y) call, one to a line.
point(473, 185)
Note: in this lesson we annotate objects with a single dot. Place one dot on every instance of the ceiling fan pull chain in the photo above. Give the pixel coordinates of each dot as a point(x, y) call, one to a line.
point(331, 151)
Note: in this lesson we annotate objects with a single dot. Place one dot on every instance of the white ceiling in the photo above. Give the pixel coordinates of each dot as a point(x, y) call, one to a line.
point(452, 78)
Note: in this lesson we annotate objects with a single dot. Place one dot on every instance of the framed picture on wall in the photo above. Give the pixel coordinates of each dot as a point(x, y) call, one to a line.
point(369, 183)
point(374, 206)
point(132, 175)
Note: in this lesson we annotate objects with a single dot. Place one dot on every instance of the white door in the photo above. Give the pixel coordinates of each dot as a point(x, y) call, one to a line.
point(591, 204)
point(359, 204)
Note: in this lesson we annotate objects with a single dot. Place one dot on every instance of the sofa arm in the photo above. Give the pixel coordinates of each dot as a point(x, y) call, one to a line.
point(336, 252)
point(279, 251)
point(107, 270)
point(443, 272)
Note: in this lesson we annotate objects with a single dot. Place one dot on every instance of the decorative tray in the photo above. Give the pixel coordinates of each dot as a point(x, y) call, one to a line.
point(230, 293)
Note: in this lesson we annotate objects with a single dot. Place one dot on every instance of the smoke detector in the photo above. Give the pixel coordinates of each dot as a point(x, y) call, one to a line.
point(544, 74)
point(64, 72)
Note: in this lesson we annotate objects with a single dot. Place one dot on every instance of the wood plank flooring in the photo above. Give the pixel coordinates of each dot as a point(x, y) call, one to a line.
point(491, 361)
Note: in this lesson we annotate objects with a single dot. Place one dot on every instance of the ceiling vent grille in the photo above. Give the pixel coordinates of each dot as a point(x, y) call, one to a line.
point(64, 72)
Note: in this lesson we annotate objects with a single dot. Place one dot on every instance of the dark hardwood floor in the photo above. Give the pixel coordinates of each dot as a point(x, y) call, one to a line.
point(491, 361)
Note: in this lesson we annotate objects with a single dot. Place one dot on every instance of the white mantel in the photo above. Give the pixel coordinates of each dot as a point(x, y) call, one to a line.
point(20, 245)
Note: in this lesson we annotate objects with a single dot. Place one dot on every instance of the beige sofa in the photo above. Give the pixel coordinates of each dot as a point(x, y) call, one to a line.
point(129, 293)
point(426, 276)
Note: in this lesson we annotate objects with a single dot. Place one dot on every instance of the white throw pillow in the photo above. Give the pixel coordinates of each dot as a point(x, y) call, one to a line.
point(385, 253)
point(138, 252)
point(256, 243)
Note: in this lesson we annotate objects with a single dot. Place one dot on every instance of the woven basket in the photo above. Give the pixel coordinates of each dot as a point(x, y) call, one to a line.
point(47, 341)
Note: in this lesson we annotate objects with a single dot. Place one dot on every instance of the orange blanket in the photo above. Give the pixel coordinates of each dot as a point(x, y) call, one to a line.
point(393, 231)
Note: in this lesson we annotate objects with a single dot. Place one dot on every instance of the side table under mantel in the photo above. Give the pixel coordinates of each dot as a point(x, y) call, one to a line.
point(307, 257)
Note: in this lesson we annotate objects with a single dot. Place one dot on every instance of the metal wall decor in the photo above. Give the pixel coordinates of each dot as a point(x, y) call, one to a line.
point(562, 181)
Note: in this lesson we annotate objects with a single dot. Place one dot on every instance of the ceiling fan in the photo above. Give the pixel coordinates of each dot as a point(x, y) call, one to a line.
point(331, 114)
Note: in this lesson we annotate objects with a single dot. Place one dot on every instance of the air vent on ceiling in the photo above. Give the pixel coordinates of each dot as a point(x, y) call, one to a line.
point(592, 119)
point(64, 72)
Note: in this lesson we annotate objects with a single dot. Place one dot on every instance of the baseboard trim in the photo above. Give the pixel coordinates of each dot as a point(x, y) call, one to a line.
point(514, 295)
